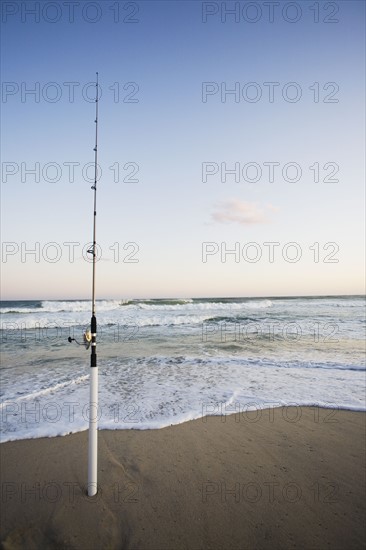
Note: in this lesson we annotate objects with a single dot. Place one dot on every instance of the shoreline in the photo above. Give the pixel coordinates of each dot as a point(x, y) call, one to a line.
point(218, 482)
point(321, 413)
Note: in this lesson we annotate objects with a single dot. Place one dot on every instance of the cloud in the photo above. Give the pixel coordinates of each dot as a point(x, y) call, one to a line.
point(237, 211)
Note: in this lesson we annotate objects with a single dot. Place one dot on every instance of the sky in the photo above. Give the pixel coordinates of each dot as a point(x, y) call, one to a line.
point(231, 148)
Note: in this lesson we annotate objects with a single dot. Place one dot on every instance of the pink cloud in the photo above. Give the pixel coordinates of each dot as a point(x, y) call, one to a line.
point(237, 211)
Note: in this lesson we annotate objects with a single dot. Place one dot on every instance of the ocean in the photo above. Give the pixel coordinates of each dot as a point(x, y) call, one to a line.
point(164, 362)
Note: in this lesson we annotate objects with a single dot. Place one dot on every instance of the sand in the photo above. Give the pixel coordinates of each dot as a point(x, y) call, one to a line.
point(291, 478)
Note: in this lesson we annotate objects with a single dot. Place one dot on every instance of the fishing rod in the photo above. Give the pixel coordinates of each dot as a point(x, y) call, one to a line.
point(93, 394)
point(90, 336)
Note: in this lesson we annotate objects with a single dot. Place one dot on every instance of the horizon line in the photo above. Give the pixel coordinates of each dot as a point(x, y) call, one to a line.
point(289, 296)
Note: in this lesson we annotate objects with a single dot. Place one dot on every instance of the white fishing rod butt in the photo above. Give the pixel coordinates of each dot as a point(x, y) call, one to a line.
point(93, 434)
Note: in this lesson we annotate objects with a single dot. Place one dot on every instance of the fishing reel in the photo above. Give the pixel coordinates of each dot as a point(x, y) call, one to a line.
point(87, 338)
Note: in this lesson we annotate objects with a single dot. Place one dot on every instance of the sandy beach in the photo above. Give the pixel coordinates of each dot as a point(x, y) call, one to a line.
point(280, 478)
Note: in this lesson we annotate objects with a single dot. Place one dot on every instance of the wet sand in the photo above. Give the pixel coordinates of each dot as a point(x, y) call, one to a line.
point(288, 478)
